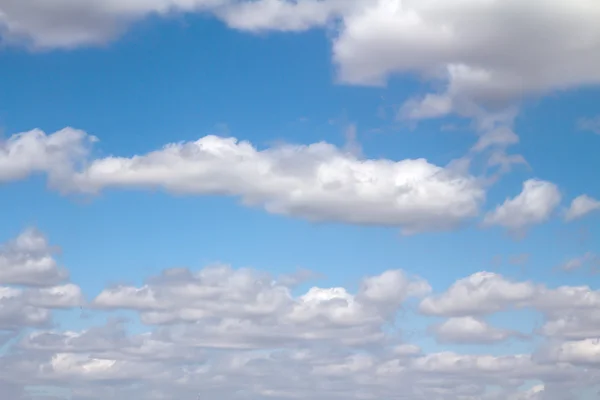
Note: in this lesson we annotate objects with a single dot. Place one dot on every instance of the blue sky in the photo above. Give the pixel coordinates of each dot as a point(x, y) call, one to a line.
point(289, 77)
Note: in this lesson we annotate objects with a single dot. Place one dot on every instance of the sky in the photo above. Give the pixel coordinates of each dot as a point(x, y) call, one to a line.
point(309, 199)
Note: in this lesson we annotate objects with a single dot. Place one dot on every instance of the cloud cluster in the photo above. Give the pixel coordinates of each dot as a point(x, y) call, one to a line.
point(317, 182)
point(231, 333)
point(487, 53)
point(32, 283)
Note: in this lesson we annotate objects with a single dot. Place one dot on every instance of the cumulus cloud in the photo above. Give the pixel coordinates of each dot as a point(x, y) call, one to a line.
point(31, 152)
point(220, 332)
point(29, 260)
point(318, 182)
point(479, 294)
point(32, 283)
point(242, 308)
point(534, 205)
point(469, 330)
point(486, 53)
point(580, 207)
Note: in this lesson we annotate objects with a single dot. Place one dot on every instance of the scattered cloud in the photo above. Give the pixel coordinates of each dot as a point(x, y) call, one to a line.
point(222, 332)
point(29, 260)
point(580, 207)
point(32, 283)
point(577, 263)
point(470, 330)
point(479, 294)
point(534, 205)
point(589, 124)
point(486, 53)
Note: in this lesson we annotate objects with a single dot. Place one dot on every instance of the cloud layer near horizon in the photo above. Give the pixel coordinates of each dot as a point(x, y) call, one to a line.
point(239, 333)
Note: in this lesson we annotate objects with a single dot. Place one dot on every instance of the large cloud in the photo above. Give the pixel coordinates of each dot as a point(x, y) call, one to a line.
point(241, 308)
point(319, 182)
point(488, 52)
point(232, 334)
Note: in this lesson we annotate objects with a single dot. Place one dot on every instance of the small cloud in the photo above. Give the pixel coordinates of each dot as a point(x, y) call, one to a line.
point(352, 145)
point(578, 263)
point(589, 124)
point(581, 206)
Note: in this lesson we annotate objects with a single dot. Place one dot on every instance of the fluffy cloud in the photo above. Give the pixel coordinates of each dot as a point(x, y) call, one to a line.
point(242, 308)
point(534, 205)
point(486, 52)
point(469, 330)
point(27, 153)
point(316, 182)
point(28, 260)
point(581, 206)
point(479, 294)
point(236, 333)
point(32, 283)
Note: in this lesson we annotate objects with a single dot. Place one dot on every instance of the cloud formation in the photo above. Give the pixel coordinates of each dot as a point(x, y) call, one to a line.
point(318, 182)
point(580, 207)
point(32, 283)
point(534, 205)
point(486, 53)
point(238, 333)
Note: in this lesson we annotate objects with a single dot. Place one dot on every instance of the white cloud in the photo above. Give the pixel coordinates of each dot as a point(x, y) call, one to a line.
point(534, 205)
point(223, 333)
point(581, 352)
point(469, 330)
point(32, 283)
point(581, 206)
point(577, 263)
point(28, 260)
point(488, 53)
point(33, 152)
point(242, 308)
point(318, 182)
point(479, 294)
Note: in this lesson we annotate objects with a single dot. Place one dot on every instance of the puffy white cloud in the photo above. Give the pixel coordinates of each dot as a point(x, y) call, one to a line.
point(33, 152)
point(573, 324)
point(469, 330)
point(32, 282)
point(316, 182)
point(71, 23)
point(226, 333)
point(581, 206)
point(580, 352)
point(28, 260)
point(486, 53)
point(479, 294)
point(534, 205)
point(242, 308)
